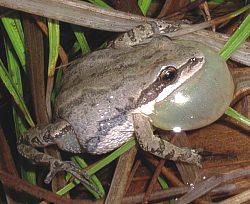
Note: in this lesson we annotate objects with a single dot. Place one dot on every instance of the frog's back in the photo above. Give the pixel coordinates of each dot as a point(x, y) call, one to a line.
point(93, 103)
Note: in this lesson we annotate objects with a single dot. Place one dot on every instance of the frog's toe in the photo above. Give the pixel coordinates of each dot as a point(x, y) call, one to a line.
point(192, 157)
point(57, 166)
point(71, 167)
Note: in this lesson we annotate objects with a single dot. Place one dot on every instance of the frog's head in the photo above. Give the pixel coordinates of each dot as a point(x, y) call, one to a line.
point(190, 92)
point(176, 65)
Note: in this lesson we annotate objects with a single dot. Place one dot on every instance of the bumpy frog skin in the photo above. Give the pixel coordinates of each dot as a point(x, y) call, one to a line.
point(171, 84)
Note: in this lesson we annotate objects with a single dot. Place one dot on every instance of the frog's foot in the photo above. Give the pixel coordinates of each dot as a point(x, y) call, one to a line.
point(69, 166)
point(55, 165)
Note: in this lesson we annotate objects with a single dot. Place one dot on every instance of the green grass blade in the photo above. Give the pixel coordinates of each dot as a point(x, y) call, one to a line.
point(239, 36)
point(81, 39)
point(114, 155)
point(144, 6)
point(54, 40)
point(54, 43)
point(10, 85)
point(20, 128)
point(14, 71)
point(74, 50)
point(162, 182)
point(234, 114)
point(13, 27)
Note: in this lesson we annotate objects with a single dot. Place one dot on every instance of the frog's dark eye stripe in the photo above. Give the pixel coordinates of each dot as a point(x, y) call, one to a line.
point(168, 75)
point(193, 61)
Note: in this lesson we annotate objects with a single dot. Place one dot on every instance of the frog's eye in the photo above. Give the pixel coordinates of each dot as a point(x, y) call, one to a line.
point(168, 75)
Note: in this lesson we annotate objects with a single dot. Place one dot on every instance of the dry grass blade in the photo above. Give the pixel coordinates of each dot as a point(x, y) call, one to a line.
point(19, 185)
point(123, 168)
point(207, 185)
point(7, 164)
point(240, 198)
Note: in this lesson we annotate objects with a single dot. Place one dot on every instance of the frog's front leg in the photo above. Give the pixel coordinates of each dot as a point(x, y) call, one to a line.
point(60, 133)
point(158, 146)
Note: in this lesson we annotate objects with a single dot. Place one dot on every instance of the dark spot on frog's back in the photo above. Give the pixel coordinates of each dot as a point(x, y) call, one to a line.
point(170, 155)
point(93, 104)
point(132, 36)
point(104, 126)
point(93, 75)
point(141, 27)
point(147, 57)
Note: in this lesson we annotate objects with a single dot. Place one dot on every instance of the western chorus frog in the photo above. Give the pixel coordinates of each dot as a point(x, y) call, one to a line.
point(172, 84)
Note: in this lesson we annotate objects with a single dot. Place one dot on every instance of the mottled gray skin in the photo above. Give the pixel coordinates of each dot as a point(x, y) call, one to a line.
point(99, 94)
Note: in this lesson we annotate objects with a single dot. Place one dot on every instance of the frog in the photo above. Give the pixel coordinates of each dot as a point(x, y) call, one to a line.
point(102, 93)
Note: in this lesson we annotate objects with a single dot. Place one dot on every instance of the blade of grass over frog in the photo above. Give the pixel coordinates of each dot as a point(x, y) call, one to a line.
point(94, 178)
point(20, 128)
point(114, 155)
point(13, 27)
point(81, 39)
point(239, 36)
point(100, 3)
point(54, 40)
point(5, 77)
point(144, 6)
point(234, 114)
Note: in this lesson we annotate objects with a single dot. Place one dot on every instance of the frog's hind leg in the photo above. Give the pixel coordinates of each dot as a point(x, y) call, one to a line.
point(60, 133)
point(160, 147)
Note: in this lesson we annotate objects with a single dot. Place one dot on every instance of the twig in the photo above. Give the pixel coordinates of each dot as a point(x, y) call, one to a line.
point(6, 160)
point(7, 164)
point(168, 173)
point(153, 181)
point(23, 186)
point(132, 174)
